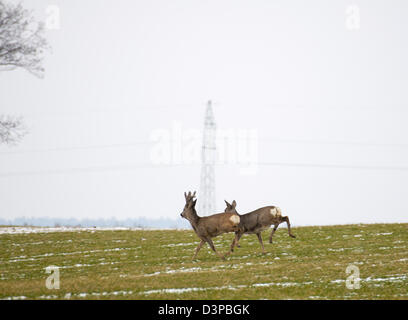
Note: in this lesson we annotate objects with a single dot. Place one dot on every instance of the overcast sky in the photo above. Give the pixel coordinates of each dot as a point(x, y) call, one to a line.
point(323, 84)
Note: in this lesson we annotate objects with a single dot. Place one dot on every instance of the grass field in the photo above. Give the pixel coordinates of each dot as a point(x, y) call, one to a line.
point(143, 264)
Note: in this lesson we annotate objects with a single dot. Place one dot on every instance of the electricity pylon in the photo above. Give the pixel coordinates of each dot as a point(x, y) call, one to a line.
point(206, 196)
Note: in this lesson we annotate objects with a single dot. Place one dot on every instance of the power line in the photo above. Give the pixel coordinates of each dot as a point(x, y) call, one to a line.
point(335, 166)
point(131, 167)
point(130, 109)
point(108, 168)
point(268, 140)
point(58, 149)
point(327, 142)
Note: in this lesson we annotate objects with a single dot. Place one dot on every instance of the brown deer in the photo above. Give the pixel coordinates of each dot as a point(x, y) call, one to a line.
point(256, 222)
point(208, 227)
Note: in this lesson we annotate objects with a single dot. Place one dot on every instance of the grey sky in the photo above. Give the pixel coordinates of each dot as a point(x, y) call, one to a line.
point(317, 93)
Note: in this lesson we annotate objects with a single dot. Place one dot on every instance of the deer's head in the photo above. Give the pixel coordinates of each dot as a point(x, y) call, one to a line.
point(230, 207)
point(189, 208)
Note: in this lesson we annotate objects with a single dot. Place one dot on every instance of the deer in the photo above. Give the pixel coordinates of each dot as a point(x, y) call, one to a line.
point(257, 221)
point(208, 227)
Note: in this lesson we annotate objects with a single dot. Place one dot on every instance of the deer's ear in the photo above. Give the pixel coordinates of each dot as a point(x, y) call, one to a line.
point(185, 195)
point(226, 202)
point(234, 204)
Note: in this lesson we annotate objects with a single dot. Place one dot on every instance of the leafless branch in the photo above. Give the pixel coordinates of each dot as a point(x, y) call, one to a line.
point(22, 44)
point(12, 129)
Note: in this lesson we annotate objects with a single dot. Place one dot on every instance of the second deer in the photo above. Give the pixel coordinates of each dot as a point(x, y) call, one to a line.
point(257, 221)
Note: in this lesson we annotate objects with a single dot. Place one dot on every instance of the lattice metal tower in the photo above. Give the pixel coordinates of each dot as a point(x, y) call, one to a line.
point(206, 195)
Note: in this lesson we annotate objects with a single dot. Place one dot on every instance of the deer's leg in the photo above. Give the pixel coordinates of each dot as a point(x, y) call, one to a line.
point(198, 248)
point(237, 242)
point(288, 224)
point(260, 241)
point(273, 231)
point(210, 242)
point(233, 244)
point(238, 236)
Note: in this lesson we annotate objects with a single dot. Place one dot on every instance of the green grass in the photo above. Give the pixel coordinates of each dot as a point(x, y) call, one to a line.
point(152, 264)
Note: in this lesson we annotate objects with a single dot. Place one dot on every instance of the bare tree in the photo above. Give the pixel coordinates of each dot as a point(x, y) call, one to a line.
point(22, 45)
point(12, 129)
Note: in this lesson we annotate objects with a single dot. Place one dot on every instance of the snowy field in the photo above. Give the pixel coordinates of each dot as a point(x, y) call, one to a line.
point(330, 262)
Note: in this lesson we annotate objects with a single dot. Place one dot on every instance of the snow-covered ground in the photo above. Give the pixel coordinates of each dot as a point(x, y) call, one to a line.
point(16, 230)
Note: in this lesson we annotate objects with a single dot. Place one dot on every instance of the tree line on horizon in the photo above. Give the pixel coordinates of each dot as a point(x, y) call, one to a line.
point(141, 222)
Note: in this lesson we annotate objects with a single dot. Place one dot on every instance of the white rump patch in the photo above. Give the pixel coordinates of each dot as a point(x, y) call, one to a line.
point(276, 212)
point(235, 219)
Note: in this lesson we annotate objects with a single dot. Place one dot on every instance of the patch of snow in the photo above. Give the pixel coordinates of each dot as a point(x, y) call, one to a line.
point(48, 297)
point(184, 290)
point(174, 290)
point(17, 230)
point(393, 278)
point(337, 281)
point(15, 298)
point(178, 245)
